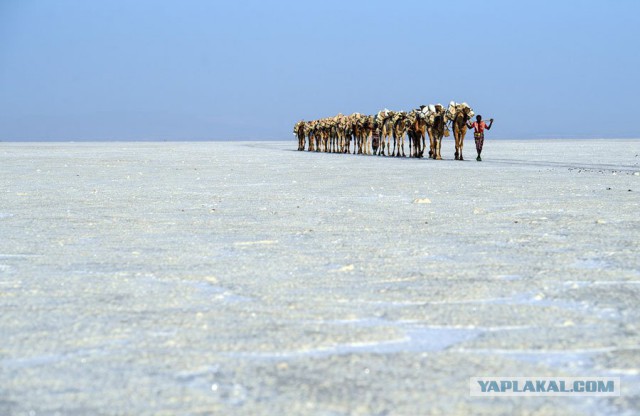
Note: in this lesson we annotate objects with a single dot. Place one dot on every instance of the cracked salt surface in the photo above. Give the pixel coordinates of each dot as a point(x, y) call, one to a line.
point(416, 338)
point(248, 278)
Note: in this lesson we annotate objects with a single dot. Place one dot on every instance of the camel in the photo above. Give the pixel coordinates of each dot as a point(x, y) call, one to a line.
point(378, 121)
point(411, 119)
point(299, 131)
point(340, 131)
point(319, 135)
point(333, 136)
point(416, 132)
point(387, 132)
point(375, 138)
point(437, 121)
point(368, 125)
point(324, 130)
point(346, 133)
point(460, 114)
point(400, 125)
point(310, 130)
point(357, 128)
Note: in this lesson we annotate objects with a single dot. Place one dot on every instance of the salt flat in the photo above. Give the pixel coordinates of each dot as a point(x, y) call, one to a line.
point(249, 278)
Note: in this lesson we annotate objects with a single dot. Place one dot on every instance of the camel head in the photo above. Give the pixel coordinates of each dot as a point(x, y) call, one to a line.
point(468, 113)
point(369, 121)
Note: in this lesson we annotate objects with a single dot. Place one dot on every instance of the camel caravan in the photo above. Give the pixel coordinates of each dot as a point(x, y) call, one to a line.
point(374, 134)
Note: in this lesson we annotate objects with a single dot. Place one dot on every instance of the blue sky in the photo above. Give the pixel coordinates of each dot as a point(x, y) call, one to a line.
point(192, 70)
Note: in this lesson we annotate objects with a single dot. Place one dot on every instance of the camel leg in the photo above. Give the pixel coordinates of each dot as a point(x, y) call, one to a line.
point(438, 144)
point(432, 148)
point(416, 146)
point(457, 144)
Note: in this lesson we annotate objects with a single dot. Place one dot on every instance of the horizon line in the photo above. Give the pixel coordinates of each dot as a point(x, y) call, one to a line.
point(286, 140)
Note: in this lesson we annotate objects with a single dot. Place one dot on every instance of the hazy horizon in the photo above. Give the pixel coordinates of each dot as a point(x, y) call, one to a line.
point(164, 71)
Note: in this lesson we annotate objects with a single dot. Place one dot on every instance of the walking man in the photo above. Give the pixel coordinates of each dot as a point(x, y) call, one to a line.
point(479, 127)
point(375, 140)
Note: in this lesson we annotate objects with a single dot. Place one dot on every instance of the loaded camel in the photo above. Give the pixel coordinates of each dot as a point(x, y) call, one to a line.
point(459, 114)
